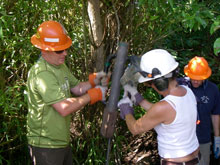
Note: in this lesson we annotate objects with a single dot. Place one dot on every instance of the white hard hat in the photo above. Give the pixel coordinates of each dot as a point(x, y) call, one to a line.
point(156, 63)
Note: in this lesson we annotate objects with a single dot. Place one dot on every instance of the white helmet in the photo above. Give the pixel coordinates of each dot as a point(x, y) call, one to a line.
point(156, 63)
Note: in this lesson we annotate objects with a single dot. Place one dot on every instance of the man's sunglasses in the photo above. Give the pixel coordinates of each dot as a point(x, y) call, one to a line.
point(59, 52)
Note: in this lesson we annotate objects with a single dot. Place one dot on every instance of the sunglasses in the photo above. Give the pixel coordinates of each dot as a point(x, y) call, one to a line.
point(60, 51)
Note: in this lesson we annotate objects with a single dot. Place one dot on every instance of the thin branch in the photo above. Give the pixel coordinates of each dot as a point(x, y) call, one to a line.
point(9, 141)
point(118, 23)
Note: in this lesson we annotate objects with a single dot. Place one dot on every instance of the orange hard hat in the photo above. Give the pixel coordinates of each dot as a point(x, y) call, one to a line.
point(197, 69)
point(51, 36)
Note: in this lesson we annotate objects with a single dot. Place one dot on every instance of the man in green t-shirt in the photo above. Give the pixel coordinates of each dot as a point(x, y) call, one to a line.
point(50, 84)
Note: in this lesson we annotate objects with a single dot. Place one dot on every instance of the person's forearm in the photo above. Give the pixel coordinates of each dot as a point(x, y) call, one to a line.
point(130, 121)
point(215, 123)
point(71, 105)
point(145, 104)
point(81, 88)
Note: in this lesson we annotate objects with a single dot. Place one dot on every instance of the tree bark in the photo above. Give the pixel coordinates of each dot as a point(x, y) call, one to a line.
point(97, 51)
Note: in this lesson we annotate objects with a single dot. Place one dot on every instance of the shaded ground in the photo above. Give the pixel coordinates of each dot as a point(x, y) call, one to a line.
point(142, 150)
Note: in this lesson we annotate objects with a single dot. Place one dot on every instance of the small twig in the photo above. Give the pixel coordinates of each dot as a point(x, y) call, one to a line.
point(13, 148)
point(9, 141)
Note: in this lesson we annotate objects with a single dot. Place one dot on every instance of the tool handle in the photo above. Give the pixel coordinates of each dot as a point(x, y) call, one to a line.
point(110, 112)
point(108, 62)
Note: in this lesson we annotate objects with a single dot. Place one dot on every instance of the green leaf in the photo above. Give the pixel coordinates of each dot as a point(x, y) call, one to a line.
point(1, 32)
point(153, 17)
point(201, 21)
point(141, 2)
point(171, 3)
point(191, 24)
point(215, 26)
point(217, 46)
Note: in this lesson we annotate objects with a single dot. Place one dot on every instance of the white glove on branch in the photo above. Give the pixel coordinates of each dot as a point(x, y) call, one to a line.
point(136, 97)
point(95, 78)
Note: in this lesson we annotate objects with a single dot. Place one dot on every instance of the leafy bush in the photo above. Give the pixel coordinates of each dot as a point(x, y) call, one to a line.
point(13, 141)
point(180, 27)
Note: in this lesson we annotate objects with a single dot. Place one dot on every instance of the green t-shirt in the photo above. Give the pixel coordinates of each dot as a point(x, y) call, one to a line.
point(48, 84)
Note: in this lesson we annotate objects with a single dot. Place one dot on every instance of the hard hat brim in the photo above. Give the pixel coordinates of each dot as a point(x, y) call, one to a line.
point(197, 77)
point(36, 42)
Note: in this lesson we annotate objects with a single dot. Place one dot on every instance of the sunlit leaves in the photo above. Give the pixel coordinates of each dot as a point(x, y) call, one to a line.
point(196, 16)
point(214, 27)
point(1, 32)
point(146, 24)
point(217, 46)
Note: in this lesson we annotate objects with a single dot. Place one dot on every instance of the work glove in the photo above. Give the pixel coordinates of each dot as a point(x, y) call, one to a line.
point(136, 97)
point(97, 94)
point(125, 106)
point(99, 78)
point(105, 80)
point(217, 146)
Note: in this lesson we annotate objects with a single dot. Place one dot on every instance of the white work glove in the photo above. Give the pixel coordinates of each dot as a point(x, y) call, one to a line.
point(105, 79)
point(95, 78)
point(216, 146)
point(136, 97)
point(104, 91)
point(125, 106)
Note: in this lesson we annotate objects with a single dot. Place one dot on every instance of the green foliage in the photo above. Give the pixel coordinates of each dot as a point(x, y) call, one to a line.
point(217, 46)
point(196, 15)
point(13, 116)
point(185, 28)
point(214, 27)
point(149, 24)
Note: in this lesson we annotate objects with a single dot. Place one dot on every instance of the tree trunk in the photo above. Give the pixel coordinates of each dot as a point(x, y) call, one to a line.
point(97, 52)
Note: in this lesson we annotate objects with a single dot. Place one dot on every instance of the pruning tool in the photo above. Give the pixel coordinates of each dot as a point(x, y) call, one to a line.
point(120, 76)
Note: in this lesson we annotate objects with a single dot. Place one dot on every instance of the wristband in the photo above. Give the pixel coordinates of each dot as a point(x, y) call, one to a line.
point(91, 79)
point(139, 98)
point(95, 95)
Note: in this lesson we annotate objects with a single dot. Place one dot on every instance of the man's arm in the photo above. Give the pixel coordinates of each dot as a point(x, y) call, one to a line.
point(81, 88)
point(70, 105)
point(215, 123)
point(95, 79)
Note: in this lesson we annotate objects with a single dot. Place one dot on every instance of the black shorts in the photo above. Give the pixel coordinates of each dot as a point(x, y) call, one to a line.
point(51, 156)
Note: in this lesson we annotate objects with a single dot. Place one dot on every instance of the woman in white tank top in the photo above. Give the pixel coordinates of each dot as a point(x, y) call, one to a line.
point(173, 118)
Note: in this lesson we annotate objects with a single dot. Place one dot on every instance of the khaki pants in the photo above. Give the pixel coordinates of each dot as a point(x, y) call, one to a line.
point(205, 153)
point(51, 156)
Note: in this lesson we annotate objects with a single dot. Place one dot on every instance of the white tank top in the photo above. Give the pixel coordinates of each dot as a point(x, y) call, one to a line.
point(178, 138)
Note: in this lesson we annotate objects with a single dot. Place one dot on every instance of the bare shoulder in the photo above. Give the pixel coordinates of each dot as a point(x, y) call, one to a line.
point(163, 111)
point(160, 107)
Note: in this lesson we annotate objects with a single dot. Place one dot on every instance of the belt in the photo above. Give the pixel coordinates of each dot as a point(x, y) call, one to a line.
point(190, 162)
